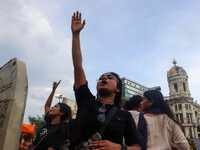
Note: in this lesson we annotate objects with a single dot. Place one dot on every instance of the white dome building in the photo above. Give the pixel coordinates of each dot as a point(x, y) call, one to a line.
point(186, 110)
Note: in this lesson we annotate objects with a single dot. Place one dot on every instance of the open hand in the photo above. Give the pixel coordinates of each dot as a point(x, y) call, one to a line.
point(77, 25)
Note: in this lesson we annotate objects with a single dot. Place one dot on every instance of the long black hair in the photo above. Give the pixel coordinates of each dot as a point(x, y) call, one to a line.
point(133, 102)
point(159, 103)
point(118, 99)
point(67, 111)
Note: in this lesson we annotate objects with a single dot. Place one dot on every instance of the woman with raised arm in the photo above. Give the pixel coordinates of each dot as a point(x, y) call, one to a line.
point(53, 134)
point(93, 111)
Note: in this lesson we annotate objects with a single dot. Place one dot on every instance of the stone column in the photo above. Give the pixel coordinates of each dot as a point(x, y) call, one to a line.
point(184, 113)
point(13, 94)
point(195, 132)
point(187, 132)
point(192, 128)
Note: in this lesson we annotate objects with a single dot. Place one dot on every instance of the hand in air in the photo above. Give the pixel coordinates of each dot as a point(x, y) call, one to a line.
point(55, 85)
point(77, 25)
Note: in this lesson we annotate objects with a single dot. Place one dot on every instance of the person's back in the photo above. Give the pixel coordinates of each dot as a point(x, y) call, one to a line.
point(158, 126)
point(160, 132)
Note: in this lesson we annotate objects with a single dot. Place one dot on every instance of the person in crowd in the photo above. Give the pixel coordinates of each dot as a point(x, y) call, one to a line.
point(157, 127)
point(133, 105)
point(53, 134)
point(92, 111)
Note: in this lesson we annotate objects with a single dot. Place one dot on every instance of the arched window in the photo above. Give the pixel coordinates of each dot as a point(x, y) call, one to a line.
point(175, 87)
point(184, 87)
point(196, 113)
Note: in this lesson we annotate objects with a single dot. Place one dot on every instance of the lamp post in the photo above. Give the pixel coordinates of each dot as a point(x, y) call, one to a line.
point(59, 96)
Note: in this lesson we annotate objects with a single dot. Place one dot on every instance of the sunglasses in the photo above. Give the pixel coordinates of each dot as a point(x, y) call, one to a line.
point(110, 74)
point(101, 117)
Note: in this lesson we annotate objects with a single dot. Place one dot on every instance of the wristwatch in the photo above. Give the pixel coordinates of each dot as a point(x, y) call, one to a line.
point(124, 147)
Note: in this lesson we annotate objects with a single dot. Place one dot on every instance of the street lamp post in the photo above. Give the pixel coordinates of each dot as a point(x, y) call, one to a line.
point(59, 96)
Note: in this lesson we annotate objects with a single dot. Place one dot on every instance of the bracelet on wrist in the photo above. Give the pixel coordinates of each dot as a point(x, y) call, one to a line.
point(124, 147)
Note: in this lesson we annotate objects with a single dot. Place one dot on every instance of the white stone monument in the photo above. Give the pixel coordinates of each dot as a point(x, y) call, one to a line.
point(13, 94)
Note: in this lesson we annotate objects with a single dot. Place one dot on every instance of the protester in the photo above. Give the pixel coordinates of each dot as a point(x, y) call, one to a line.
point(157, 127)
point(133, 105)
point(92, 112)
point(53, 133)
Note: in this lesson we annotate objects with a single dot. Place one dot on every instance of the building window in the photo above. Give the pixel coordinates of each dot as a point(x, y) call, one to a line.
point(181, 118)
point(186, 106)
point(196, 113)
point(190, 131)
point(189, 106)
point(191, 120)
point(176, 108)
point(175, 87)
point(177, 117)
point(180, 107)
point(188, 118)
point(184, 88)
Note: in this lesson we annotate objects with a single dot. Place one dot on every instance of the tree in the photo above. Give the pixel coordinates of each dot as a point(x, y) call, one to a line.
point(38, 121)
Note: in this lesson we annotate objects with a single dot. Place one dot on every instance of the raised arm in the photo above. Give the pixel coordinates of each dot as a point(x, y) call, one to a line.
point(47, 105)
point(76, 27)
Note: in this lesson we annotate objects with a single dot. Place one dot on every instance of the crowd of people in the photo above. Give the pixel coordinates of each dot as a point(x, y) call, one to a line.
point(144, 123)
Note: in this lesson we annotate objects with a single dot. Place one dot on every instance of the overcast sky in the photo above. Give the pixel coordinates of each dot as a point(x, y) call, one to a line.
point(138, 39)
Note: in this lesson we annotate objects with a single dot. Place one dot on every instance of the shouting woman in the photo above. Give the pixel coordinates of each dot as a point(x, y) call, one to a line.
point(93, 111)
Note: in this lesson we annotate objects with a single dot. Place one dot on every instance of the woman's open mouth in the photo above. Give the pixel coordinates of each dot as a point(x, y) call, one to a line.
point(103, 83)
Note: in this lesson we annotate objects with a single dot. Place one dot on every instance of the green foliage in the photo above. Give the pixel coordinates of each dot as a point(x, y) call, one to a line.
point(38, 121)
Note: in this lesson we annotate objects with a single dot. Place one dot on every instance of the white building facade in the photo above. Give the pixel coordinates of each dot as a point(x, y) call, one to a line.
point(186, 110)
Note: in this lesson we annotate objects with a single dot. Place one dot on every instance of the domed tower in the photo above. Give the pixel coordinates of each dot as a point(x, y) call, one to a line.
point(181, 102)
point(178, 82)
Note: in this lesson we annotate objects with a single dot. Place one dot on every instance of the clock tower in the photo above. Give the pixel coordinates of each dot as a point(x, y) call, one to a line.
point(186, 110)
point(178, 82)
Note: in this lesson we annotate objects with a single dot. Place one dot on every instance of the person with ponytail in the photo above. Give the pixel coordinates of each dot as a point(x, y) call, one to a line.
point(157, 125)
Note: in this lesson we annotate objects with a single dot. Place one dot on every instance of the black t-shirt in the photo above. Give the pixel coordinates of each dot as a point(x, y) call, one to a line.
point(121, 125)
point(71, 129)
point(54, 139)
